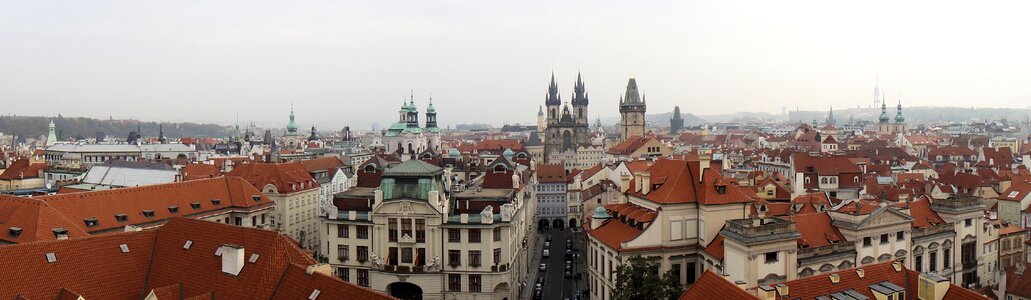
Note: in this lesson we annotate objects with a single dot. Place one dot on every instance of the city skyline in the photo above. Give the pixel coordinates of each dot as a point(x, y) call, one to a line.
point(209, 62)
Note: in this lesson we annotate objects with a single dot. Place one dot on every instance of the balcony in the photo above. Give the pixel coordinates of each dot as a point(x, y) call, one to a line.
point(404, 269)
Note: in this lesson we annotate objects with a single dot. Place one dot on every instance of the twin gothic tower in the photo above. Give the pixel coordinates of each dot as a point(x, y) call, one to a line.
point(566, 125)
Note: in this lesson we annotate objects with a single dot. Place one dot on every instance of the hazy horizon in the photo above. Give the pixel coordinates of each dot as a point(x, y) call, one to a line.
point(352, 63)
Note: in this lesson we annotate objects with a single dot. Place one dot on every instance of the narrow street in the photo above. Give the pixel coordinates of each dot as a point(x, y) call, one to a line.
point(556, 285)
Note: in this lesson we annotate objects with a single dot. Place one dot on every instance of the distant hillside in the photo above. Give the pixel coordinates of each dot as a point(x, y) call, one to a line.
point(659, 120)
point(33, 127)
point(916, 115)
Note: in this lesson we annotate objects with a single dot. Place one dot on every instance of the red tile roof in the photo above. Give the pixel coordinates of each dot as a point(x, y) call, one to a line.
point(711, 286)
point(96, 268)
point(199, 171)
point(629, 145)
point(551, 173)
point(715, 248)
point(37, 216)
point(676, 181)
point(820, 285)
point(322, 164)
point(22, 169)
point(923, 215)
point(286, 177)
point(816, 230)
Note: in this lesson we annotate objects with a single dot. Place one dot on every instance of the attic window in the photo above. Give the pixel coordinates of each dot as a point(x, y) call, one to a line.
point(195, 205)
point(51, 257)
point(314, 294)
point(187, 244)
point(173, 209)
point(14, 231)
point(721, 189)
point(254, 258)
point(499, 169)
point(124, 248)
point(257, 198)
point(121, 217)
point(216, 202)
point(90, 222)
point(370, 168)
point(60, 233)
point(148, 213)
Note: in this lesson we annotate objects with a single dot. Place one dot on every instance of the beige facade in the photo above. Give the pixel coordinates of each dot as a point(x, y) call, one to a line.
point(296, 214)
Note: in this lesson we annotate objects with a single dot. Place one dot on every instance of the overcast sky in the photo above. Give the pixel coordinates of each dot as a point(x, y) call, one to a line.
point(352, 62)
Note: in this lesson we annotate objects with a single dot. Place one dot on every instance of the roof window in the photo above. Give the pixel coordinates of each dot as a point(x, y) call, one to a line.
point(254, 258)
point(121, 217)
point(14, 231)
point(187, 244)
point(90, 222)
point(314, 294)
point(173, 209)
point(216, 202)
point(257, 198)
point(148, 213)
point(60, 233)
point(51, 257)
point(124, 248)
point(195, 205)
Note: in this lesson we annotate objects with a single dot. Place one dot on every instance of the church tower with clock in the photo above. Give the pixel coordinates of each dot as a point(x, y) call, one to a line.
point(631, 109)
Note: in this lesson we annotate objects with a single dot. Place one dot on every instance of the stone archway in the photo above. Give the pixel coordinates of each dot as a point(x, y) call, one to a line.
point(542, 224)
point(558, 223)
point(405, 291)
point(501, 290)
point(572, 222)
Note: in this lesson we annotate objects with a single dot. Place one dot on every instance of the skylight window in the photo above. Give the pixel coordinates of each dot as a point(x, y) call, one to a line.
point(1013, 194)
point(314, 294)
point(218, 252)
point(187, 244)
point(51, 257)
point(124, 248)
point(254, 258)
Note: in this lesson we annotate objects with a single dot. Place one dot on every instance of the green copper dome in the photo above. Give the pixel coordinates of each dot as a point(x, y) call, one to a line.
point(600, 213)
point(292, 126)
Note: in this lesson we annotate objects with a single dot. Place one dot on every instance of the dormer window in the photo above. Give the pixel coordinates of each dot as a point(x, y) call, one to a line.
point(257, 198)
point(216, 202)
point(195, 205)
point(121, 217)
point(499, 169)
point(173, 209)
point(60, 233)
point(370, 168)
point(148, 213)
point(721, 189)
point(90, 222)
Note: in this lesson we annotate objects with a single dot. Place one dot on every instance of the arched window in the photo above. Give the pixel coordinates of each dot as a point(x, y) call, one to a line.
point(823, 180)
point(834, 180)
point(855, 179)
point(807, 180)
point(370, 168)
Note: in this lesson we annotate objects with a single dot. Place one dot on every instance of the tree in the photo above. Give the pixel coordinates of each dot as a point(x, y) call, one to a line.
point(639, 279)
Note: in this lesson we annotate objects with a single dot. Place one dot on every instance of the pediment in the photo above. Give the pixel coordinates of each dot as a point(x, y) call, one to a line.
point(885, 216)
point(405, 207)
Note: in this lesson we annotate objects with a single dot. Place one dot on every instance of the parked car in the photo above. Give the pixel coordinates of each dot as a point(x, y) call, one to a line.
point(547, 245)
point(569, 274)
point(547, 238)
point(543, 267)
point(546, 253)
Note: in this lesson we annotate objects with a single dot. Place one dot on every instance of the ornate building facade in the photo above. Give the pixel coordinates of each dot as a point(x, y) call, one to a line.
point(566, 126)
point(406, 138)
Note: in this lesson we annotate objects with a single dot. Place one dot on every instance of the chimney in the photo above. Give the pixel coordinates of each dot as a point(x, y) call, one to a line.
point(637, 182)
point(646, 182)
point(624, 182)
point(703, 164)
point(766, 292)
point(232, 259)
point(932, 286)
point(782, 289)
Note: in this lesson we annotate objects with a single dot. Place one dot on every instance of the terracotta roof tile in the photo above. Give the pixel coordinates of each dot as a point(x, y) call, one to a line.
point(713, 286)
point(286, 177)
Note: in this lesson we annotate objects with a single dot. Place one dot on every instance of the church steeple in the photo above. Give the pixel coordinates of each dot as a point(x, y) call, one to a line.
point(553, 97)
point(51, 134)
point(580, 101)
point(431, 115)
point(884, 113)
point(830, 116)
point(898, 116)
point(291, 128)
